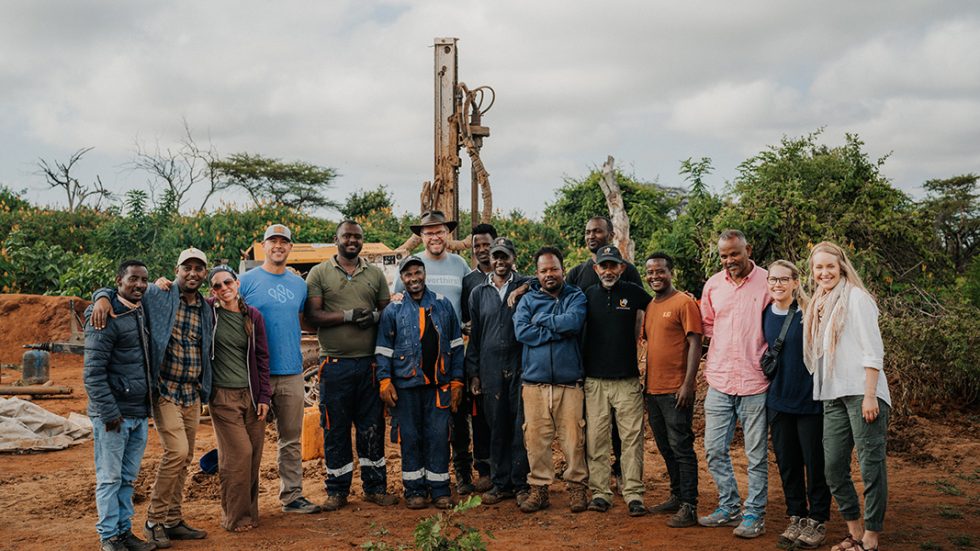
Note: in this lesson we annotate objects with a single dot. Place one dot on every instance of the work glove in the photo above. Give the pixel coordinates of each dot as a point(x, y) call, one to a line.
point(388, 394)
point(113, 424)
point(456, 395)
point(368, 319)
point(352, 315)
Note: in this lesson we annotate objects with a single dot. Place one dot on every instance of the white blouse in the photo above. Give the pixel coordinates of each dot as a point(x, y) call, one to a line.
point(858, 347)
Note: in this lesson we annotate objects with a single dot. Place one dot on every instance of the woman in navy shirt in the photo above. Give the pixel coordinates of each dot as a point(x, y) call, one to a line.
point(795, 418)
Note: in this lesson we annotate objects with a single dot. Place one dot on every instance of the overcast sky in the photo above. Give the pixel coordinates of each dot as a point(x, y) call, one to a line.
point(349, 85)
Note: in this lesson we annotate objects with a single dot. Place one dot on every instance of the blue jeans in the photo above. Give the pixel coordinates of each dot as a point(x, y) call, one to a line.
point(721, 411)
point(117, 463)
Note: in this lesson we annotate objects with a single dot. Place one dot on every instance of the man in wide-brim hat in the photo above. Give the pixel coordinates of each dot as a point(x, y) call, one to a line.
point(433, 218)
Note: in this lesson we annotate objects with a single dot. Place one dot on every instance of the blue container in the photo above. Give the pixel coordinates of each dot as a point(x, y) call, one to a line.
point(35, 367)
point(209, 462)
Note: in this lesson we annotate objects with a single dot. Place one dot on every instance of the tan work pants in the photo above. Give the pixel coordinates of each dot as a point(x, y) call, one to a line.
point(625, 397)
point(551, 410)
point(240, 436)
point(177, 427)
point(287, 406)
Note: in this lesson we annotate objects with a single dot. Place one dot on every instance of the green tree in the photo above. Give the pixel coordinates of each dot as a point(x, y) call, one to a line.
point(953, 205)
point(361, 204)
point(296, 184)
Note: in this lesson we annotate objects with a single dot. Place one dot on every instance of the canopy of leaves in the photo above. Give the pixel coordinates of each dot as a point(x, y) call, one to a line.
point(296, 184)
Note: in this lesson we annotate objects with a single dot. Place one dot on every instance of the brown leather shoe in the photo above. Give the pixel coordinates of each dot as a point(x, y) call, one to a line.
point(483, 484)
point(577, 499)
point(334, 503)
point(416, 502)
point(536, 500)
point(443, 502)
point(383, 500)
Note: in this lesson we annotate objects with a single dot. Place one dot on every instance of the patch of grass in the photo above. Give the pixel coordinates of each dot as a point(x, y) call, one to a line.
point(929, 546)
point(961, 540)
point(947, 488)
point(948, 512)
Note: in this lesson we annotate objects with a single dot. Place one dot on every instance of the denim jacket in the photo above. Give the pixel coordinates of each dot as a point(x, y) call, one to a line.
point(399, 348)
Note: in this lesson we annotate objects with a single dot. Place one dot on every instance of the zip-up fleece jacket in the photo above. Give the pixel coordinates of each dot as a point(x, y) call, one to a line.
point(161, 312)
point(399, 348)
point(492, 353)
point(550, 329)
point(117, 365)
point(258, 355)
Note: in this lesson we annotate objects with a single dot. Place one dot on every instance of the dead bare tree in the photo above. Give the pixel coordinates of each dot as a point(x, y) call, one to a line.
point(58, 175)
point(181, 168)
point(617, 209)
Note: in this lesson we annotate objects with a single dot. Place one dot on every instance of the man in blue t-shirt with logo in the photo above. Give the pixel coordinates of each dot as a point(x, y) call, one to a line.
point(280, 296)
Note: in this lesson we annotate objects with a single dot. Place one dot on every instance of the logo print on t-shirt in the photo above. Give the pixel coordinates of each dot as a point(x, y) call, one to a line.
point(623, 303)
point(281, 293)
point(667, 314)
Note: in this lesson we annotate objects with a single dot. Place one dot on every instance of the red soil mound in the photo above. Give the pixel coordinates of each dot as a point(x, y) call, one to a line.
point(26, 319)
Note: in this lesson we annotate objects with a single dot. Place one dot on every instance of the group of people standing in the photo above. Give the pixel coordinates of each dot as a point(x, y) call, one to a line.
point(483, 368)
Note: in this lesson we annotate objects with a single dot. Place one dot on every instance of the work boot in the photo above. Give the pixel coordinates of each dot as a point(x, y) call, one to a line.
point(443, 502)
point(577, 499)
point(112, 544)
point(495, 496)
point(599, 505)
point(686, 516)
point(181, 531)
point(133, 543)
point(536, 500)
point(334, 503)
point(522, 496)
point(156, 535)
point(464, 487)
point(383, 500)
point(416, 502)
point(671, 505)
point(483, 484)
point(636, 508)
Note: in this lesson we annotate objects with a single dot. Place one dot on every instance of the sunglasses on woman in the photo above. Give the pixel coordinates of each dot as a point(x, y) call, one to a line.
point(217, 286)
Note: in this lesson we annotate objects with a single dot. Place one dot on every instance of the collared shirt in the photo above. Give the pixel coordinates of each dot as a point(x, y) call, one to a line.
point(340, 291)
point(180, 374)
point(502, 290)
point(732, 318)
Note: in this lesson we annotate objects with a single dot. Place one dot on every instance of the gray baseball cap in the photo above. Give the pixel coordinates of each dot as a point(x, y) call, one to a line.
point(278, 230)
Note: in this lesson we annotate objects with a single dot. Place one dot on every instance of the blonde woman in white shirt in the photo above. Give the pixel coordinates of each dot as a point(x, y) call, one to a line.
point(844, 352)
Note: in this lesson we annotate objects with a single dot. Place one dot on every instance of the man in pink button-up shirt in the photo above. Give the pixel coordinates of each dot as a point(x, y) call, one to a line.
point(731, 310)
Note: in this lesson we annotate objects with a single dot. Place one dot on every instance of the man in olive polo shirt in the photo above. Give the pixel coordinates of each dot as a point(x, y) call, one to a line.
point(346, 296)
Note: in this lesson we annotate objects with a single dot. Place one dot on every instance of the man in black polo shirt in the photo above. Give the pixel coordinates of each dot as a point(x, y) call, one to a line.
point(612, 381)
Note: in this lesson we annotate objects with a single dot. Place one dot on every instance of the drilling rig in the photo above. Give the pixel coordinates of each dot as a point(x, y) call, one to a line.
point(458, 118)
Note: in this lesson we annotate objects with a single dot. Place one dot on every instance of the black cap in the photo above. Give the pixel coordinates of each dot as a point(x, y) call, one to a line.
point(408, 261)
point(505, 245)
point(608, 253)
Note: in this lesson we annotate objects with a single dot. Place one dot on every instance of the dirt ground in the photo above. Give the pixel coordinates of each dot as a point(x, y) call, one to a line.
point(47, 499)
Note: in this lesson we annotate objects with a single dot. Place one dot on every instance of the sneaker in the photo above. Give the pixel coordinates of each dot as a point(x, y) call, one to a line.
point(133, 543)
point(812, 535)
point(672, 505)
point(443, 502)
point(577, 501)
point(181, 531)
point(752, 526)
point(789, 535)
point(112, 544)
point(334, 503)
point(720, 518)
point(637, 508)
point(156, 535)
point(383, 500)
point(416, 502)
point(302, 506)
point(599, 505)
point(496, 495)
point(483, 484)
point(685, 516)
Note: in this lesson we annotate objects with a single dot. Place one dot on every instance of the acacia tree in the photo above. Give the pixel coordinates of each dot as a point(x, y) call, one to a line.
point(955, 209)
point(296, 184)
point(59, 175)
point(181, 168)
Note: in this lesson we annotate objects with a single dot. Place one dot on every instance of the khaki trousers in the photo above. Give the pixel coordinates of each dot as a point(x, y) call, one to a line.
point(287, 406)
point(177, 427)
point(625, 397)
point(549, 411)
point(240, 436)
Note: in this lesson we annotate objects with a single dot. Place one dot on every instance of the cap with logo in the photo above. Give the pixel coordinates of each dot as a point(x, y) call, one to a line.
point(278, 230)
point(189, 253)
point(410, 261)
point(609, 253)
point(502, 244)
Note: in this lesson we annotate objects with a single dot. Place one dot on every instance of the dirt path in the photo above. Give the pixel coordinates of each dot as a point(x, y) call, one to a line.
point(47, 500)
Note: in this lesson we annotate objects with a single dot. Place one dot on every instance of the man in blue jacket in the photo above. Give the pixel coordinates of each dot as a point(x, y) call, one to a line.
point(549, 322)
point(420, 371)
point(117, 375)
point(180, 373)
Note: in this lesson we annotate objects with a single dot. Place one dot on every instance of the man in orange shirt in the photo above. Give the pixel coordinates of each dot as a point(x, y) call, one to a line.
point(672, 327)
